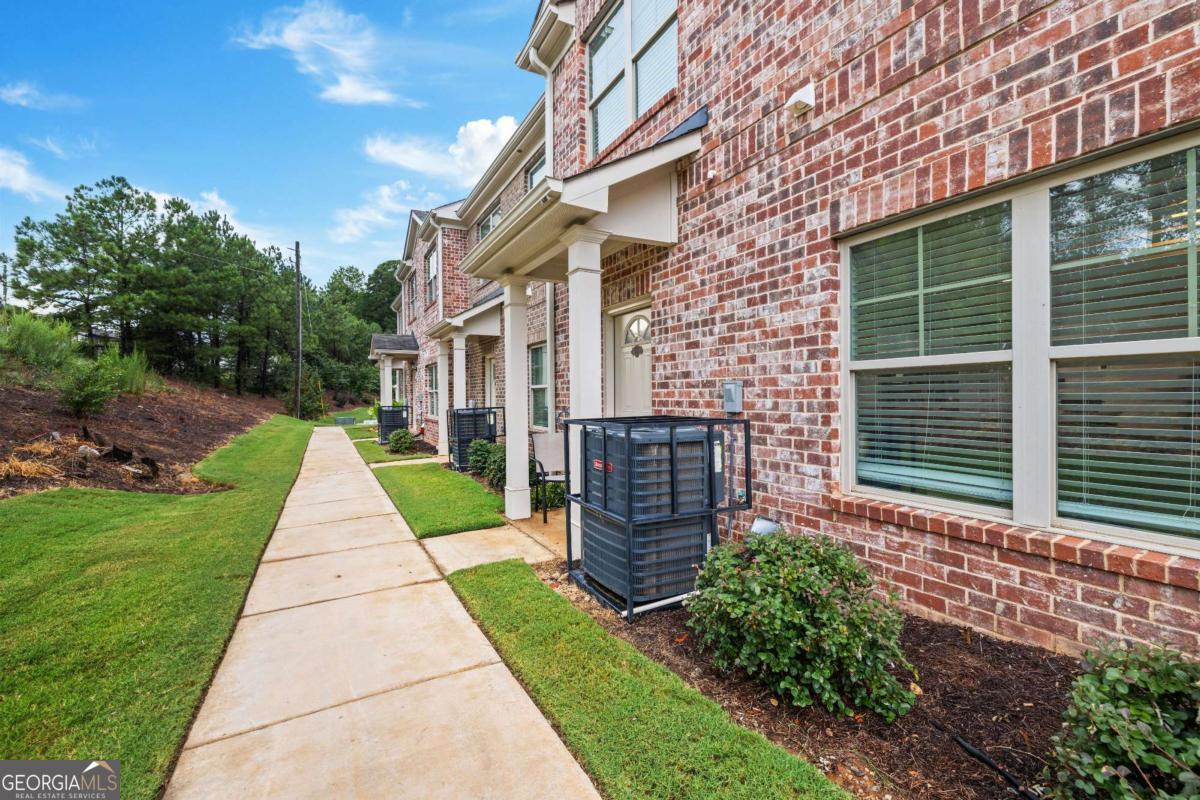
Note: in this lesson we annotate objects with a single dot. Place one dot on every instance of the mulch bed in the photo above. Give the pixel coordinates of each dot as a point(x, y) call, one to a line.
point(175, 428)
point(1004, 698)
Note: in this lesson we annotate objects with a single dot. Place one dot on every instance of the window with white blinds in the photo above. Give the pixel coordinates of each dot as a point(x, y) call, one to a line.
point(1038, 354)
point(606, 79)
point(632, 63)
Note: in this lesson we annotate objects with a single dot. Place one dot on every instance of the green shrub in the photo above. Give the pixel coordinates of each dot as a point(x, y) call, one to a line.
point(86, 387)
point(133, 371)
point(496, 470)
point(798, 614)
point(554, 495)
point(39, 342)
point(401, 440)
point(478, 452)
point(1132, 729)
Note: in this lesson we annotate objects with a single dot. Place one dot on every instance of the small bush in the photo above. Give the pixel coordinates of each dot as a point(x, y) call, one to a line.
point(86, 387)
point(478, 453)
point(401, 440)
point(1132, 729)
point(798, 614)
point(554, 495)
point(496, 470)
point(133, 371)
point(38, 342)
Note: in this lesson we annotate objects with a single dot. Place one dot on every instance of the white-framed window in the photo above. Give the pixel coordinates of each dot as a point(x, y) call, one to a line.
point(535, 171)
point(433, 268)
point(397, 387)
point(412, 299)
point(539, 387)
point(431, 390)
point(490, 220)
point(1035, 355)
point(633, 61)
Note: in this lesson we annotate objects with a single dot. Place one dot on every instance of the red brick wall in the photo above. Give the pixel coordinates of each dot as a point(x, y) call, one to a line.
point(915, 102)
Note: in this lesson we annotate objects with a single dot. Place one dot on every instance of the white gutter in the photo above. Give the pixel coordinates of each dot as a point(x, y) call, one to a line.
point(536, 59)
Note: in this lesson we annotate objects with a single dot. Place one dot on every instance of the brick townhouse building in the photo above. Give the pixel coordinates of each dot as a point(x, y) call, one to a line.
point(948, 247)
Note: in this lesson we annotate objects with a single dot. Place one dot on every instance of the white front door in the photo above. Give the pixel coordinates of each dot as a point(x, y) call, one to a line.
point(489, 381)
point(633, 353)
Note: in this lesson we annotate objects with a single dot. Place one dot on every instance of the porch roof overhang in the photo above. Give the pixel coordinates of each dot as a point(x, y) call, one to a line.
point(482, 319)
point(402, 346)
point(631, 200)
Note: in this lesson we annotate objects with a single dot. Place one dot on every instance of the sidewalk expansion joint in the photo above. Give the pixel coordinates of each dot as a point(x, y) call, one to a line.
point(425, 582)
point(396, 688)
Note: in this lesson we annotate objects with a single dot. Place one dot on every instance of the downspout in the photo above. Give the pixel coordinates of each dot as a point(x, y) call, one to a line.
point(536, 60)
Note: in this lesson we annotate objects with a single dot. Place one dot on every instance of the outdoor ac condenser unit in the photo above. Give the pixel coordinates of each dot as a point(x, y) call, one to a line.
point(651, 490)
point(467, 425)
point(391, 418)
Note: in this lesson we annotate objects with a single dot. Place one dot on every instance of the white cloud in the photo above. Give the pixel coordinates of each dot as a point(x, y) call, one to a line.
point(383, 207)
point(61, 148)
point(340, 51)
point(17, 176)
point(27, 95)
point(463, 162)
point(50, 145)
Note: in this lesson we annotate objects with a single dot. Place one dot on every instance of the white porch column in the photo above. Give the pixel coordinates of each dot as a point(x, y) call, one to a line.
point(585, 333)
point(385, 380)
point(459, 344)
point(443, 387)
point(584, 320)
point(516, 400)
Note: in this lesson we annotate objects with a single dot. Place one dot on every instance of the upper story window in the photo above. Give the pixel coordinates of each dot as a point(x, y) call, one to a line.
point(536, 170)
point(632, 62)
point(490, 220)
point(433, 267)
point(411, 291)
point(1039, 354)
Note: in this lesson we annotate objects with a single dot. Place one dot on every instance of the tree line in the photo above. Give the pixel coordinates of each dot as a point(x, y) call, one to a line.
point(200, 300)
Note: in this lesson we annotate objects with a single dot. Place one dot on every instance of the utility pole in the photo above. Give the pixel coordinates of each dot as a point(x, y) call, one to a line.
point(299, 333)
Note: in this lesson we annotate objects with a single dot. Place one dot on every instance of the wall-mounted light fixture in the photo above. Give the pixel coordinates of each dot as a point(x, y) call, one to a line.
point(802, 100)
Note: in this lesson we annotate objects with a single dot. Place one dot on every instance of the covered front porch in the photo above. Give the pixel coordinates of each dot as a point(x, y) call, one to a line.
point(560, 233)
point(479, 323)
point(395, 355)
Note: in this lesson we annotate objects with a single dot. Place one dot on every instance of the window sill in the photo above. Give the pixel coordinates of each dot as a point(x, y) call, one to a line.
point(625, 135)
point(1172, 570)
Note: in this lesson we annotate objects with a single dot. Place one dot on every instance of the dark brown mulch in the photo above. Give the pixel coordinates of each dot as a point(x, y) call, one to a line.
point(174, 428)
point(1004, 698)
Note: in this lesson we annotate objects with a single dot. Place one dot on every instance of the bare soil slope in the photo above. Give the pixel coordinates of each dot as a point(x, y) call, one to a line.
point(149, 443)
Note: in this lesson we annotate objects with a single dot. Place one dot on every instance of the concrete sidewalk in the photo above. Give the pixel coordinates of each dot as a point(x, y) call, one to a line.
point(355, 672)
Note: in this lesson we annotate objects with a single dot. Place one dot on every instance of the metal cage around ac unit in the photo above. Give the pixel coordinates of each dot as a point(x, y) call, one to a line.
point(391, 418)
point(468, 425)
point(647, 492)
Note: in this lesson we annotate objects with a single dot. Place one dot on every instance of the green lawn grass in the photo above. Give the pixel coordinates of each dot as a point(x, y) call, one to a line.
point(375, 453)
point(115, 607)
point(359, 414)
point(360, 432)
point(636, 727)
point(436, 501)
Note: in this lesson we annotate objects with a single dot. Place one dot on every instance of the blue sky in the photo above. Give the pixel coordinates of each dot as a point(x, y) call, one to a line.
point(319, 121)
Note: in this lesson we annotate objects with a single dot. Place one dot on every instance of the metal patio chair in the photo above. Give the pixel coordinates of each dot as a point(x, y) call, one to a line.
point(547, 451)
